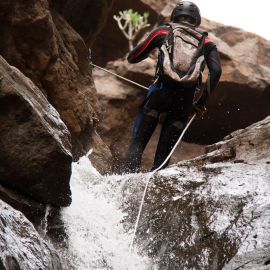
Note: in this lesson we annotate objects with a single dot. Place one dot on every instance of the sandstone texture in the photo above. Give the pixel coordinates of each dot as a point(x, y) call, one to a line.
point(21, 247)
point(211, 212)
point(37, 39)
point(35, 155)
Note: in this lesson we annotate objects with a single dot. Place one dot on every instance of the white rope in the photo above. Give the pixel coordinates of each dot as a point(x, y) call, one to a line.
point(123, 78)
point(176, 144)
point(152, 173)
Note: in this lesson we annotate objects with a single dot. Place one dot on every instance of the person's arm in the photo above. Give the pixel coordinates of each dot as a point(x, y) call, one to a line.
point(153, 40)
point(214, 66)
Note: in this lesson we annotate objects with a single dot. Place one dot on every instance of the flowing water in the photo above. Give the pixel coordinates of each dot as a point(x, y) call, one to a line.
point(94, 223)
point(196, 217)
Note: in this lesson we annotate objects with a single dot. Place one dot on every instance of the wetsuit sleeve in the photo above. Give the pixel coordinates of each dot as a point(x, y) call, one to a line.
point(153, 40)
point(214, 66)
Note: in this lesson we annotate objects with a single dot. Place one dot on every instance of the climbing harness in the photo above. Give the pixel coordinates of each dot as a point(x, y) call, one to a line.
point(151, 174)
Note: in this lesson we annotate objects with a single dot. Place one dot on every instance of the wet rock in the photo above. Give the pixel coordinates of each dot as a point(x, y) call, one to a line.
point(206, 213)
point(100, 155)
point(251, 143)
point(35, 155)
point(21, 247)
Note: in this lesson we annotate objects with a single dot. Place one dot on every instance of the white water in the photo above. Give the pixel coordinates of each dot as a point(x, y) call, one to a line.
point(97, 238)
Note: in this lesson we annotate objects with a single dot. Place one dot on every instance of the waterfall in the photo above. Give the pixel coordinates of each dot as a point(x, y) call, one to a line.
point(97, 238)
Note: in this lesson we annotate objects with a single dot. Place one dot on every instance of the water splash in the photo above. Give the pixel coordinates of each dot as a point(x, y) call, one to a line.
point(97, 238)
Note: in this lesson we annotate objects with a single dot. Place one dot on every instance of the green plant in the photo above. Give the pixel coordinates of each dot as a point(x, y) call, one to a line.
point(131, 23)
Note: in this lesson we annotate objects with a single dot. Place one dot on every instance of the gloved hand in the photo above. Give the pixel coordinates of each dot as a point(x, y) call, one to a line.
point(200, 111)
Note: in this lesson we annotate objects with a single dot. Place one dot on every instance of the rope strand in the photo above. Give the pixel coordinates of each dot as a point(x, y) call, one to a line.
point(121, 77)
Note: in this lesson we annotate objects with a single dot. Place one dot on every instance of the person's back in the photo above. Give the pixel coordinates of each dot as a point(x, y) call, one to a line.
point(173, 89)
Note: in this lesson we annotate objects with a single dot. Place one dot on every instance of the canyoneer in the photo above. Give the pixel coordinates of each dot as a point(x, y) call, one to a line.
point(184, 49)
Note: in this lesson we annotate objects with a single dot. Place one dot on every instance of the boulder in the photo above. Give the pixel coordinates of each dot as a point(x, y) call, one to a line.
point(248, 145)
point(21, 247)
point(211, 212)
point(37, 39)
point(35, 155)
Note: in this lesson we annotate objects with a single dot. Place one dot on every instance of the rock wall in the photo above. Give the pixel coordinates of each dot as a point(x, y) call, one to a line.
point(35, 144)
point(48, 102)
point(48, 116)
point(37, 39)
point(48, 42)
point(86, 17)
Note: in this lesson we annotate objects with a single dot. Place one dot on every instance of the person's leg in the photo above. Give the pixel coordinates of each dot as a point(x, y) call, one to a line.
point(170, 132)
point(144, 127)
point(179, 110)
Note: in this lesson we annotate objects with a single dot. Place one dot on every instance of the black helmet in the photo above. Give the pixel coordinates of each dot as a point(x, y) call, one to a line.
point(187, 9)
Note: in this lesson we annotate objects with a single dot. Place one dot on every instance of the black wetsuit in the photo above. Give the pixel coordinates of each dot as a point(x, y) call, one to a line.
point(166, 96)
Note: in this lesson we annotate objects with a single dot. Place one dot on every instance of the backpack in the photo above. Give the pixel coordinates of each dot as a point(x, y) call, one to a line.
point(181, 56)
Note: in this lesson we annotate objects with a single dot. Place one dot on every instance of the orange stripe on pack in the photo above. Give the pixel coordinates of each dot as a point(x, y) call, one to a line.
point(161, 32)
